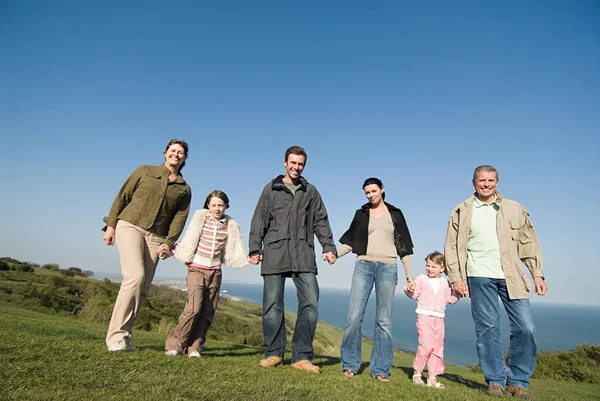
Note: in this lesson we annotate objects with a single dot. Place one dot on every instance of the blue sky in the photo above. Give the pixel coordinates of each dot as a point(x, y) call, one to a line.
point(415, 93)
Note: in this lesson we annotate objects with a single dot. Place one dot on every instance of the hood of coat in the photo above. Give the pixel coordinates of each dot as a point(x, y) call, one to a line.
point(278, 183)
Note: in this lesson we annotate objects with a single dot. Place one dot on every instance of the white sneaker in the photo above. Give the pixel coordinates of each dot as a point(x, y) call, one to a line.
point(121, 345)
point(172, 352)
point(194, 354)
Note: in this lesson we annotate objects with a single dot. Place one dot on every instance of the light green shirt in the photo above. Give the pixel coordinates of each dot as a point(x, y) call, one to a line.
point(483, 249)
point(292, 187)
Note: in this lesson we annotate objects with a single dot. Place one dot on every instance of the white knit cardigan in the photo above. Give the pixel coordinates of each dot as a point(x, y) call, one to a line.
point(233, 254)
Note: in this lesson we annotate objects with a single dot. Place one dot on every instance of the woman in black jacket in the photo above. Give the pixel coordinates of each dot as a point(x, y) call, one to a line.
point(378, 234)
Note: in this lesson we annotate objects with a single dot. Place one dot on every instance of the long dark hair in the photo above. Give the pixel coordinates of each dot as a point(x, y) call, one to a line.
point(217, 194)
point(181, 143)
point(376, 181)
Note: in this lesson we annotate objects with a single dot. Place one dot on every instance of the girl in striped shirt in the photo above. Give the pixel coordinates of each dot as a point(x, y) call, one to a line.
point(211, 239)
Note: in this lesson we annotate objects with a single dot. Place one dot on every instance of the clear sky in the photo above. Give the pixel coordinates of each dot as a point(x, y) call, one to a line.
point(415, 93)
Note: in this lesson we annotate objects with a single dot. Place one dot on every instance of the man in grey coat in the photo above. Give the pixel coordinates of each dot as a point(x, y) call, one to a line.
point(289, 213)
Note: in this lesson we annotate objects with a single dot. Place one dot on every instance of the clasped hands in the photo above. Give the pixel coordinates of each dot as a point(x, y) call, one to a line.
point(329, 257)
point(163, 251)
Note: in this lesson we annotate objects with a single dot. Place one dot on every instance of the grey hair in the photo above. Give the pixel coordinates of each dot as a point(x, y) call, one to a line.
point(486, 168)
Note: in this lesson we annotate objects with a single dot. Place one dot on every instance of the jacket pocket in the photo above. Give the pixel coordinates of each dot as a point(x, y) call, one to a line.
point(518, 234)
point(274, 236)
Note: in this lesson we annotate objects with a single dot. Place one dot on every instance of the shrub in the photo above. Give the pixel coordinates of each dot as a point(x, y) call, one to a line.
point(75, 270)
point(254, 339)
point(4, 266)
point(165, 325)
point(25, 268)
point(581, 364)
point(97, 309)
point(51, 266)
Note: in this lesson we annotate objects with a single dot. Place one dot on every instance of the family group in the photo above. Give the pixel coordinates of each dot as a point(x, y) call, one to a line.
point(488, 240)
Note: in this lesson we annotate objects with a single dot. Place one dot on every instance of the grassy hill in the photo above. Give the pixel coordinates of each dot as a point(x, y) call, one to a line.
point(52, 348)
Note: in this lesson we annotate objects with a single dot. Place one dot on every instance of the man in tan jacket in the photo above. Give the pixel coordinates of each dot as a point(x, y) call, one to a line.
point(487, 239)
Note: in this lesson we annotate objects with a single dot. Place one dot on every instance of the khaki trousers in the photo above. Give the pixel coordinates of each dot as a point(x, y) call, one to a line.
point(137, 251)
point(203, 287)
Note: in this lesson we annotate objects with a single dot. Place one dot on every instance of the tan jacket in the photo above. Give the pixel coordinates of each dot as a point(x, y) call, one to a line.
point(517, 239)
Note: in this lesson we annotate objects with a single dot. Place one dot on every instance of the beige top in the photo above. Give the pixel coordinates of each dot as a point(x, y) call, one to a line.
point(380, 247)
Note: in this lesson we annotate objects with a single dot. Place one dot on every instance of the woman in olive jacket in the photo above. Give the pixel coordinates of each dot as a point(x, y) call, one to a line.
point(145, 220)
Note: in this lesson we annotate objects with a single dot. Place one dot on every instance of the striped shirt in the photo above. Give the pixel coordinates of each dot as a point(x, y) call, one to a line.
point(211, 244)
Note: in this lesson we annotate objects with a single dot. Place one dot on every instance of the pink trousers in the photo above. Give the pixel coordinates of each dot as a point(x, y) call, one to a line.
point(431, 345)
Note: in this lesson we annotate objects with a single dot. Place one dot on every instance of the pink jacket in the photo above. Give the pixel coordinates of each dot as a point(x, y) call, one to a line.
point(427, 300)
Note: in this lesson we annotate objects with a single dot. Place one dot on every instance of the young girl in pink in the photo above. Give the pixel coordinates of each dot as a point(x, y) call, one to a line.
point(432, 292)
point(211, 238)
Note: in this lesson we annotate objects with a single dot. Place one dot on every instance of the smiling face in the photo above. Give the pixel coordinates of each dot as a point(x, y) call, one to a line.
point(175, 156)
point(217, 207)
point(374, 194)
point(434, 270)
point(293, 167)
point(485, 184)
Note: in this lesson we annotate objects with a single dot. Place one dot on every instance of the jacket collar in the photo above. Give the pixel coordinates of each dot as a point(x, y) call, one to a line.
point(164, 170)
point(278, 183)
point(367, 206)
point(469, 202)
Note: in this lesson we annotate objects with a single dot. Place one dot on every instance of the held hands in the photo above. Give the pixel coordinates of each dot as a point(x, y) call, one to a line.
point(255, 259)
point(410, 284)
point(329, 257)
point(163, 251)
point(540, 286)
point(459, 286)
point(109, 236)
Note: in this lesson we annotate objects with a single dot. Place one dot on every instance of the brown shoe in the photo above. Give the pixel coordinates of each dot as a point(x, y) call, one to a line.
point(519, 392)
point(307, 366)
point(382, 379)
point(495, 391)
point(270, 362)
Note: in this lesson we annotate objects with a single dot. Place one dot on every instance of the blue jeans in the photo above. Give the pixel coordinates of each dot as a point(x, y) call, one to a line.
point(486, 315)
point(307, 289)
point(385, 278)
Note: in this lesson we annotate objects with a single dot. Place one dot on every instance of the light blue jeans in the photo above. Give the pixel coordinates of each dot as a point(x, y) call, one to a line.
point(385, 278)
point(486, 314)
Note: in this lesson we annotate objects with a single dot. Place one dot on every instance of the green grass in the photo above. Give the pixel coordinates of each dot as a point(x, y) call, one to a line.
point(55, 357)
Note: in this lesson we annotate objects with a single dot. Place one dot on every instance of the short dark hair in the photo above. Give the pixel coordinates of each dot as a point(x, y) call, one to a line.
point(374, 181)
point(181, 143)
point(295, 150)
point(217, 194)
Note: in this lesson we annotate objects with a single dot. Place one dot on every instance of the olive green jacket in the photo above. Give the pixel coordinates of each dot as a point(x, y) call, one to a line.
point(148, 200)
point(516, 237)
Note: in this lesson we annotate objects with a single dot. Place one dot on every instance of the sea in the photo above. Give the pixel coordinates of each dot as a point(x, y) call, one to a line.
point(558, 327)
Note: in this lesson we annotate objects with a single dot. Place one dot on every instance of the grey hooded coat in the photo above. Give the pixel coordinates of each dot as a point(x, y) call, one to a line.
point(284, 226)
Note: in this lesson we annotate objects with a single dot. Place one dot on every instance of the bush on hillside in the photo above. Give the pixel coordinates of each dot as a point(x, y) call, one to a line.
point(51, 266)
point(75, 270)
point(67, 273)
point(581, 364)
point(25, 268)
point(4, 266)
